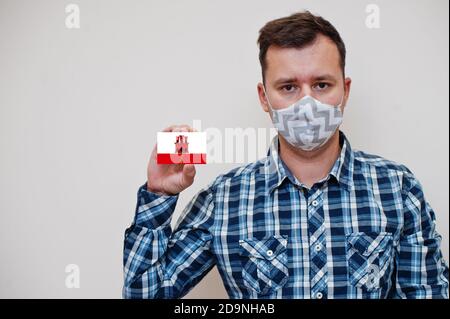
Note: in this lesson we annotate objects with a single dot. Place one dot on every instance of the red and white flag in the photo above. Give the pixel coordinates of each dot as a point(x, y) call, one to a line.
point(181, 147)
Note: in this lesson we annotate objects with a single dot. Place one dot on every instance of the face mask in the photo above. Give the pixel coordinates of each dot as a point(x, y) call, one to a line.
point(308, 123)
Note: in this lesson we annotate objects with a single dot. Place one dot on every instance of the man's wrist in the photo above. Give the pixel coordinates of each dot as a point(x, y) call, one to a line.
point(157, 192)
point(149, 192)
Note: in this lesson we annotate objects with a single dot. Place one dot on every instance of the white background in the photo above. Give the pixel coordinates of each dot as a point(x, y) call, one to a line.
point(79, 112)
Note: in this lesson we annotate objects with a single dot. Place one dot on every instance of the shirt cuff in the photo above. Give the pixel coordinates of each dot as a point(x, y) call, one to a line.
point(154, 210)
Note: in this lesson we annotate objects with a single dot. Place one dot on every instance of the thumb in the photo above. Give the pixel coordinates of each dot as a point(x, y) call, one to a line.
point(188, 174)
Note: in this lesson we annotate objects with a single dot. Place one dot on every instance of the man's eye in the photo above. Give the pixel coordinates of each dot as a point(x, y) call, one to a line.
point(288, 88)
point(322, 86)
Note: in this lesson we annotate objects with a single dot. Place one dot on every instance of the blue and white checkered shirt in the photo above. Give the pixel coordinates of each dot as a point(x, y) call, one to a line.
point(364, 231)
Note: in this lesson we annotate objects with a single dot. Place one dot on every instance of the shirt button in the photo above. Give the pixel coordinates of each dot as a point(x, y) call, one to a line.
point(315, 203)
point(319, 295)
point(269, 253)
point(318, 247)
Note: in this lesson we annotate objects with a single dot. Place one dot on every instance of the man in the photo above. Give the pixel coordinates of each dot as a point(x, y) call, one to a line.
point(313, 219)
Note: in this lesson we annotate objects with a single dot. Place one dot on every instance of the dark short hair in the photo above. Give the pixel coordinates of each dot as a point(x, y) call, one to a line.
point(297, 31)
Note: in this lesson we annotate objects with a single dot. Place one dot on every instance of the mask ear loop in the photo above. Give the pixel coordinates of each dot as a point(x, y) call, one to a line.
point(340, 104)
point(267, 98)
point(342, 100)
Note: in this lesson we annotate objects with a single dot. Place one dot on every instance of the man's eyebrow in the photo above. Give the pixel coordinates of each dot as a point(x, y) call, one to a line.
point(323, 77)
point(284, 81)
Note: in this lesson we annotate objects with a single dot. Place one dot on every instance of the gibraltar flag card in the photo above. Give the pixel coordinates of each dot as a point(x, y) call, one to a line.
point(181, 148)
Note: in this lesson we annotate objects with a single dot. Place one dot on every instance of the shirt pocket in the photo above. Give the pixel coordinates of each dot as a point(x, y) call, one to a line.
point(264, 263)
point(369, 259)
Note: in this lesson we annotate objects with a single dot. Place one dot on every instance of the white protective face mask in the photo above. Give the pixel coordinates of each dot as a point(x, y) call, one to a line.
point(308, 123)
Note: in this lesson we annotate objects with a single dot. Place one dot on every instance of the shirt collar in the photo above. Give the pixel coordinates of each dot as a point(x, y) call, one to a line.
point(277, 171)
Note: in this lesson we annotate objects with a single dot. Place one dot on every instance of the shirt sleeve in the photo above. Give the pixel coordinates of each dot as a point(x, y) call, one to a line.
point(421, 271)
point(159, 263)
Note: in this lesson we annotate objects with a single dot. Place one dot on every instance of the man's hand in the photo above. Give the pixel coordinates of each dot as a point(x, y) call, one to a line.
point(170, 179)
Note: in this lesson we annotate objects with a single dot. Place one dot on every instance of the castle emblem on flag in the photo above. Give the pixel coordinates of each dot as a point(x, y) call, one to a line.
point(181, 145)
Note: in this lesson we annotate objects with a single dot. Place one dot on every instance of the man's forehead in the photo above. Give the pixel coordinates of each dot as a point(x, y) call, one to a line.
point(319, 57)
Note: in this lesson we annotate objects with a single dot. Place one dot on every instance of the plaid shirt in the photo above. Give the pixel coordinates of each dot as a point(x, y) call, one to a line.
point(364, 231)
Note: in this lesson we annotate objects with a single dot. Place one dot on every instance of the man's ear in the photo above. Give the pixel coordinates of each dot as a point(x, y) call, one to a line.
point(347, 86)
point(262, 98)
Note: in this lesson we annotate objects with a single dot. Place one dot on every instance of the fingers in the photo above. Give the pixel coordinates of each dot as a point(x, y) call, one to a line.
point(169, 128)
point(179, 128)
